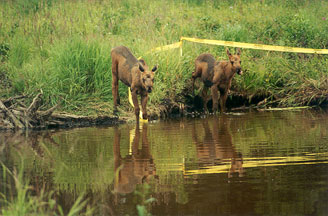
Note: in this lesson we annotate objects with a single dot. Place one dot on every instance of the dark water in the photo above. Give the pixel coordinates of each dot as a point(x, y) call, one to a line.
point(254, 163)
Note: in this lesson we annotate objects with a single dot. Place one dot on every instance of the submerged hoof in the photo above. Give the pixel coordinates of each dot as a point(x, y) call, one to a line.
point(115, 112)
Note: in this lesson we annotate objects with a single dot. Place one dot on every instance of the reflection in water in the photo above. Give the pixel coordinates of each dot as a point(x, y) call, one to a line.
point(216, 147)
point(255, 163)
point(135, 168)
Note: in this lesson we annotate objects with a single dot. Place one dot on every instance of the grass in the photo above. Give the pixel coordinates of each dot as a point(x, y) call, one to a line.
point(24, 201)
point(63, 47)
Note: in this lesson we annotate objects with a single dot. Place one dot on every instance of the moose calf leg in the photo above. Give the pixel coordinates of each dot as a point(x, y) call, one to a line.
point(136, 105)
point(116, 147)
point(116, 97)
point(214, 92)
point(115, 91)
point(144, 99)
point(223, 99)
point(135, 142)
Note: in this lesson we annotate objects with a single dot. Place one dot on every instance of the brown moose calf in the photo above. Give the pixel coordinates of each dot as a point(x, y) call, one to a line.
point(133, 73)
point(217, 76)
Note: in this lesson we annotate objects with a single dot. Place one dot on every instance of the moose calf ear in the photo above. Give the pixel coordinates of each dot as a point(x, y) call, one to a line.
point(229, 54)
point(238, 51)
point(154, 68)
point(141, 68)
point(142, 61)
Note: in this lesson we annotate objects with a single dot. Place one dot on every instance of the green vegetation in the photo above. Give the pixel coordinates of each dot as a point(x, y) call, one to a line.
point(63, 47)
point(26, 201)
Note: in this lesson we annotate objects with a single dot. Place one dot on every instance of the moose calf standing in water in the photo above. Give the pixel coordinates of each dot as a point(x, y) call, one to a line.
point(133, 73)
point(217, 76)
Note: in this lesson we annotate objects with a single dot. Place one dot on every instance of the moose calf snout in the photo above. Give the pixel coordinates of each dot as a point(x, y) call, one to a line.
point(239, 71)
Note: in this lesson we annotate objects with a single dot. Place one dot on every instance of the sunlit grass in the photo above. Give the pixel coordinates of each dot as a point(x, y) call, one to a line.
point(24, 201)
point(63, 47)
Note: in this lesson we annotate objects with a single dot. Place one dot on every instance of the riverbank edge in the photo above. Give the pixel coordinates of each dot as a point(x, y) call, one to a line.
point(186, 106)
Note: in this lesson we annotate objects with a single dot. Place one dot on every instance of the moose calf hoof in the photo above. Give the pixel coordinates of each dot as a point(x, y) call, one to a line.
point(115, 112)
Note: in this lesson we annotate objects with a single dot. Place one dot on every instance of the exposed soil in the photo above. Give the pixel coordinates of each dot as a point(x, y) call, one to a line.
point(15, 114)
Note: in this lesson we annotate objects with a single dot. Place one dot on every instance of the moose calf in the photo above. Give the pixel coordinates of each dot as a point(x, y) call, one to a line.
point(217, 76)
point(133, 73)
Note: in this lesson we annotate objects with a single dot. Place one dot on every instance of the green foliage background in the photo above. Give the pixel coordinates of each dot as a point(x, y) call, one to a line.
point(63, 47)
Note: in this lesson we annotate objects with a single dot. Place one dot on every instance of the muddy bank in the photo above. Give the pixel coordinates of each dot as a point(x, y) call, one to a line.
point(261, 100)
point(15, 114)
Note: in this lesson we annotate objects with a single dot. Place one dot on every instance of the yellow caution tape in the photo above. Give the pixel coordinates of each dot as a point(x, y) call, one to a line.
point(132, 135)
point(240, 45)
point(167, 47)
point(256, 46)
point(262, 162)
point(131, 102)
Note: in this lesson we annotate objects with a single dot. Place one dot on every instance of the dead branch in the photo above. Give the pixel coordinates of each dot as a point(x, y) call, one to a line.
point(34, 105)
point(46, 114)
point(8, 102)
point(15, 115)
point(12, 117)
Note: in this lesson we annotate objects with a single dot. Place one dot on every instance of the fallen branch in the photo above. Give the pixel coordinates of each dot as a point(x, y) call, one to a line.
point(12, 117)
point(11, 100)
point(15, 115)
point(46, 114)
point(34, 105)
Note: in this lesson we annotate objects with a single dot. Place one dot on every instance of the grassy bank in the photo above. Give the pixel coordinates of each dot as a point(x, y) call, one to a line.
point(63, 48)
point(22, 199)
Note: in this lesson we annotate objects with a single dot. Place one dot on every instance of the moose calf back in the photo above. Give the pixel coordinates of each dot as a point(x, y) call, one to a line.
point(122, 63)
point(204, 68)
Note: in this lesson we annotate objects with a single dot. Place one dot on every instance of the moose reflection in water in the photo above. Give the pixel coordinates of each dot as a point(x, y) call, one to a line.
point(138, 166)
point(216, 146)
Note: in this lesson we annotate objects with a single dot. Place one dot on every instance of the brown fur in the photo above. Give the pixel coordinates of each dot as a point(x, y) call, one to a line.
point(217, 76)
point(216, 146)
point(137, 168)
point(133, 73)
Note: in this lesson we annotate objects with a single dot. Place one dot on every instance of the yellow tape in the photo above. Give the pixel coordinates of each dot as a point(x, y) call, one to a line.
point(132, 135)
point(259, 162)
point(256, 46)
point(241, 45)
point(131, 102)
point(167, 47)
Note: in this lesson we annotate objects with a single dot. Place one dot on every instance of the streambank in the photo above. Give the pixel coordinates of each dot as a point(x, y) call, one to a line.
point(17, 113)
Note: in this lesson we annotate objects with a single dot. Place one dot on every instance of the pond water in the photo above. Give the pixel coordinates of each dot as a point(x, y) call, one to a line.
point(253, 163)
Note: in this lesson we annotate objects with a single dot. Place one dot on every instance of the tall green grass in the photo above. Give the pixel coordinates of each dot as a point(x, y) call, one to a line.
point(24, 202)
point(63, 47)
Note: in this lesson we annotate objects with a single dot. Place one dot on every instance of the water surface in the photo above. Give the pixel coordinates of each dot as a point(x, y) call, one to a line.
point(254, 163)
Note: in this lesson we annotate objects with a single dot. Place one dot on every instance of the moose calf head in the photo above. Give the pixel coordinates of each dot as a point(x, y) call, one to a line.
point(235, 61)
point(147, 76)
